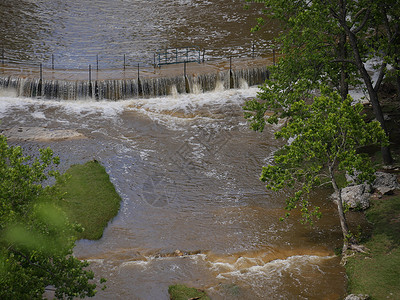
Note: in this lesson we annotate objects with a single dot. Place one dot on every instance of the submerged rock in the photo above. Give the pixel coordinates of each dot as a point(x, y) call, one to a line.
point(41, 134)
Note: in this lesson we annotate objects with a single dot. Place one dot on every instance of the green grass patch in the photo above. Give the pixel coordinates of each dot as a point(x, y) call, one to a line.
point(377, 273)
point(182, 292)
point(90, 198)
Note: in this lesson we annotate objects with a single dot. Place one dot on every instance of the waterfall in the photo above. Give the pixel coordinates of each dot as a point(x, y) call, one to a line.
point(132, 88)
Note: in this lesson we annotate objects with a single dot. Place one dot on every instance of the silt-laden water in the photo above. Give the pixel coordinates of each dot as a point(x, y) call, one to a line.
point(193, 209)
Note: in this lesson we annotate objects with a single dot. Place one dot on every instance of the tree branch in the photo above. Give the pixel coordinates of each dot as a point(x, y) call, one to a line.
point(35, 264)
point(355, 31)
point(359, 13)
point(387, 24)
point(380, 77)
point(334, 14)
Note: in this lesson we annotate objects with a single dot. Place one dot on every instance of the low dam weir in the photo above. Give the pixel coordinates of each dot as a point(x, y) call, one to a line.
point(118, 89)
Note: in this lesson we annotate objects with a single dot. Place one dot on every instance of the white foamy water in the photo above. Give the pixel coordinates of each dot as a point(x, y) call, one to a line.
point(189, 103)
point(187, 106)
point(240, 278)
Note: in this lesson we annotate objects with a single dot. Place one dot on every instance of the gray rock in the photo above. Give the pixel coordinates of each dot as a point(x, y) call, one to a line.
point(385, 183)
point(357, 297)
point(357, 196)
point(352, 179)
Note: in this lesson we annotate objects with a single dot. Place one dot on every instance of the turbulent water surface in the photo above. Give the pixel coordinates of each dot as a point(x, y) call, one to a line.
point(187, 169)
point(186, 166)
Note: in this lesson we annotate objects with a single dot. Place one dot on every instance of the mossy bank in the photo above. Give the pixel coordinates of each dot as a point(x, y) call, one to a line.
point(182, 292)
point(89, 198)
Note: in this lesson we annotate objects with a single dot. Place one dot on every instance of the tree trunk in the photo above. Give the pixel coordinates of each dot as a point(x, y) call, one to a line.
point(344, 86)
point(343, 222)
point(347, 238)
point(349, 241)
point(398, 78)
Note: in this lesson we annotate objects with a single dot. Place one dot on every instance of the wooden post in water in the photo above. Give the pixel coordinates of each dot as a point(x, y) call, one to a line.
point(187, 85)
point(39, 92)
point(52, 61)
point(176, 55)
point(90, 73)
point(204, 53)
point(139, 86)
point(90, 81)
point(231, 83)
point(97, 62)
point(253, 50)
point(124, 61)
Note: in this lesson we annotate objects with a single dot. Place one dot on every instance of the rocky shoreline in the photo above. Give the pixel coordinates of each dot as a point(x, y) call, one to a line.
point(357, 196)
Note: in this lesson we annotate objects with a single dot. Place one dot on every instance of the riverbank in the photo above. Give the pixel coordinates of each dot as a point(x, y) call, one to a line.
point(89, 198)
point(377, 272)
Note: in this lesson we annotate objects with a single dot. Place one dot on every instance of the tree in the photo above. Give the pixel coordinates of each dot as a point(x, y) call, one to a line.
point(358, 19)
point(36, 239)
point(325, 136)
point(330, 41)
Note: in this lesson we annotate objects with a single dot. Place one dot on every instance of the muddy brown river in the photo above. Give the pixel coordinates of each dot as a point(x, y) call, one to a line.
point(186, 166)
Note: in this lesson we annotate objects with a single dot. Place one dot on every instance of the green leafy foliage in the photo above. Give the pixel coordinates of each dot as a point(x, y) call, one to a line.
point(325, 43)
point(329, 42)
point(323, 138)
point(36, 238)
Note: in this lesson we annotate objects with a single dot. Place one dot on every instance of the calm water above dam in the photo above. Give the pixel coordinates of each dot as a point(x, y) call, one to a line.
point(75, 31)
point(186, 165)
